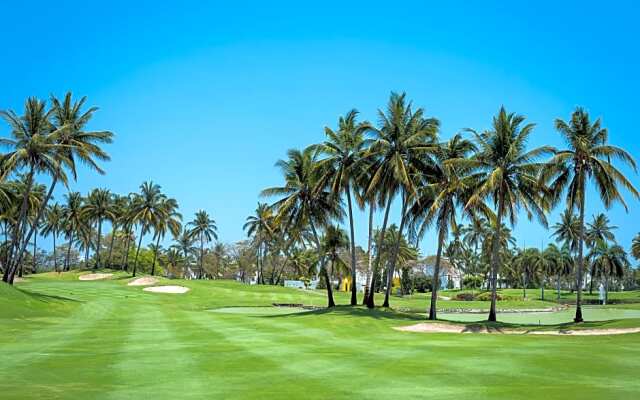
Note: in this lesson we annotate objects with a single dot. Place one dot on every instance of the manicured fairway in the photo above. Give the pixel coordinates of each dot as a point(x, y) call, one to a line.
point(114, 341)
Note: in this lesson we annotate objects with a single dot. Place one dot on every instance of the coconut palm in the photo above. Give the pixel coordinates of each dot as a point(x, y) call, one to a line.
point(334, 241)
point(343, 151)
point(34, 148)
point(184, 244)
point(443, 192)
point(118, 209)
point(261, 227)
point(588, 157)
point(635, 247)
point(204, 228)
point(598, 231)
point(610, 261)
point(97, 208)
point(397, 154)
point(72, 221)
point(506, 174)
point(305, 201)
point(567, 230)
point(561, 263)
point(169, 221)
point(146, 210)
point(53, 225)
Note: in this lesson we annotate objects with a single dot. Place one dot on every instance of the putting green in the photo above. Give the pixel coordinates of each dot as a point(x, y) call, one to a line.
point(67, 339)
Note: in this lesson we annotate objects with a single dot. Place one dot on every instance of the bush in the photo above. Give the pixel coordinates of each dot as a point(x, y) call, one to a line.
point(486, 296)
point(472, 281)
point(465, 296)
point(422, 284)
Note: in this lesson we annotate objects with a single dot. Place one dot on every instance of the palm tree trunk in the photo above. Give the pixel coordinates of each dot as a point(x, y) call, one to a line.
point(369, 248)
point(34, 226)
point(55, 260)
point(201, 256)
point(323, 270)
point(114, 230)
point(86, 256)
point(135, 263)
point(558, 287)
point(17, 231)
point(495, 248)
point(394, 256)
point(436, 278)
point(35, 255)
point(354, 289)
point(68, 257)
point(578, 317)
point(155, 256)
point(97, 264)
point(376, 265)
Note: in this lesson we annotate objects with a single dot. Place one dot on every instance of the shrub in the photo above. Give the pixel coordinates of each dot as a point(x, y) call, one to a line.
point(465, 296)
point(486, 296)
point(422, 284)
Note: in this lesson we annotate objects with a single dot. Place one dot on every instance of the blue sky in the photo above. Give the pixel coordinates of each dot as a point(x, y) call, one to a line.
point(204, 98)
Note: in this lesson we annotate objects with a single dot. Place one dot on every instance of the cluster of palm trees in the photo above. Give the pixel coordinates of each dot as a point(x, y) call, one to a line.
point(490, 179)
point(48, 142)
point(43, 141)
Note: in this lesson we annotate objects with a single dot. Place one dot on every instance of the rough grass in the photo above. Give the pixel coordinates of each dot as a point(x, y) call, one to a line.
point(67, 339)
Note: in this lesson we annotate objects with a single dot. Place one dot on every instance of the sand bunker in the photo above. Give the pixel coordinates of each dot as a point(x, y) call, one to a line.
point(167, 289)
point(450, 328)
point(145, 281)
point(94, 277)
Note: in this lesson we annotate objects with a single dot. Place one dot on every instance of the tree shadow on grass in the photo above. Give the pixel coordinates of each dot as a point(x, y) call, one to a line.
point(353, 311)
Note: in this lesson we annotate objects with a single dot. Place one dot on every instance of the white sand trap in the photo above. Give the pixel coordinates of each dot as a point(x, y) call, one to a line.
point(145, 281)
point(94, 277)
point(450, 328)
point(167, 289)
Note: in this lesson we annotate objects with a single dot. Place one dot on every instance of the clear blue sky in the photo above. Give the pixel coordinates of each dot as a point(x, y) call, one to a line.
point(205, 98)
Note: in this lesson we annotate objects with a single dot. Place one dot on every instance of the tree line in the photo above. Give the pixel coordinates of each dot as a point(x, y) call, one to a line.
point(488, 178)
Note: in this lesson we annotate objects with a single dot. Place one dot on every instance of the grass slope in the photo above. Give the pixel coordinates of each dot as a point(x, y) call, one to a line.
point(112, 341)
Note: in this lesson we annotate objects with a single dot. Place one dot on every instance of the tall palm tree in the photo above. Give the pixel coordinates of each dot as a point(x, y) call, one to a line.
point(397, 153)
point(204, 228)
point(506, 174)
point(171, 221)
point(334, 240)
point(261, 227)
point(146, 211)
point(561, 263)
point(34, 148)
point(98, 208)
point(588, 157)
point(343, 150)
point(304, 200)
point(73, 221)
point(443, 192)
point(53, 225)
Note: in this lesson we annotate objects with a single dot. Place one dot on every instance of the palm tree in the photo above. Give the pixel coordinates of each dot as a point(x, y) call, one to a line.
point(73, 221)
point(146, 211)
point(609, 260)
point(568, 230)
point(260, 226)
point(505, 174)
point(344, 149)
point(397, 154)
point(53, 225)
point(204, 228)
point(561, 263)
point(118, 209)
point(635, 247)
point(98, 207)
point(169, 221)
point(598, 231)
point(333, 241)
point(442, 193)
point(184, 244)
point(588, 156)
point(35, 149)
point(305, 200)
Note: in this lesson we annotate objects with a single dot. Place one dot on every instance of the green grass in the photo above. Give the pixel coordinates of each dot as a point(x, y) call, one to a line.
point(66, 339)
